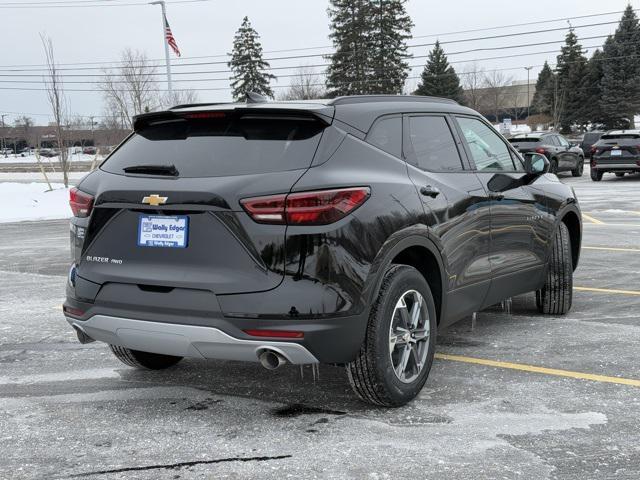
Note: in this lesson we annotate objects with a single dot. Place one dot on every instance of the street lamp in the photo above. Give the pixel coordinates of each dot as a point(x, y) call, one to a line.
point(164, 39)
point(528, 69)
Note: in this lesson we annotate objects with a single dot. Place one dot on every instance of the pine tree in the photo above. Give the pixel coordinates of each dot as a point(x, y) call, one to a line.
point(571, 68)
point(247, 64)
point(621, 72)
point(439, 79)
point(591, 91)
point(391, 28)
point(349, 71)
point(542, 102)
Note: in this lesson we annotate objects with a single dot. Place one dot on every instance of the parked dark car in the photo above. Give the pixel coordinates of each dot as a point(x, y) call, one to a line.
point(344, 231)
point(617, 151)
point(89, 150)
point(562, 155)
point(588, 141)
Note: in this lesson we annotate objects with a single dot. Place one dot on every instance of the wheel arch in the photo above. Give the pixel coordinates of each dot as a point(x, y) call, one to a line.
point(571, 219)
point(418, 251)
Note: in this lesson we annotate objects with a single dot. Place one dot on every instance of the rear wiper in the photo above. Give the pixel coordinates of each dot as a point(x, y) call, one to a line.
point(153, 170)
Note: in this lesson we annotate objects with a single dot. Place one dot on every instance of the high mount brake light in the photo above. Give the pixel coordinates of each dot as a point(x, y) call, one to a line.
point(205, 115)
point(320, 207)
point(81, 203)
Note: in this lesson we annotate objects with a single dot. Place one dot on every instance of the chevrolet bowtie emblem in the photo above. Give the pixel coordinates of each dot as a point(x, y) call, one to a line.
point(155, 200)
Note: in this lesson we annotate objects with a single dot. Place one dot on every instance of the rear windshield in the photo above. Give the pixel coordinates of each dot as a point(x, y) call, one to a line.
point(620, 136)
point(213, 147)
point(524, 140)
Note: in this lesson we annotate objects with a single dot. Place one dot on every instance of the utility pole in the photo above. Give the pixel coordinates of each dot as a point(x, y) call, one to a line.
point(528, 69)
point(3, 140)
point(164, 40)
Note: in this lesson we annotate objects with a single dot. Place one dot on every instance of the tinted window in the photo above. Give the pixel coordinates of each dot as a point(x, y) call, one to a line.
point(550, 140)
point(627, 136)
point(211, 147)
point(433, 144)
point(524, 140)
point(488, 150)
point(386, 134)
point(563, 141)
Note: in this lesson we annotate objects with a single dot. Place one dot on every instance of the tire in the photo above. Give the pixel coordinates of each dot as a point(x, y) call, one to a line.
point(555, 297)
point(553, 167)
point(620, 174)
point(144, 360)
point(596, 175)
point(579, 170)
point(373, 374)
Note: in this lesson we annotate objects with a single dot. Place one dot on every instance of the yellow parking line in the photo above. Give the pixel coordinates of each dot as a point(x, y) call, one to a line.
point(607, 290)
point(534, 369)
point(613, 249)
point(592, 219)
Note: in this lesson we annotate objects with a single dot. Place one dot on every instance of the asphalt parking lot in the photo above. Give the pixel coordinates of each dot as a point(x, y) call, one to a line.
point(518, 396)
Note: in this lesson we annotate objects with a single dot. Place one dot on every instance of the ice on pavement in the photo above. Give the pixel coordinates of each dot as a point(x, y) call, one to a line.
point(32, 201)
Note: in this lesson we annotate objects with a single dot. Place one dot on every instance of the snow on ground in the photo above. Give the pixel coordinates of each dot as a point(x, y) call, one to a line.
point(32, 201)
point(54, 161)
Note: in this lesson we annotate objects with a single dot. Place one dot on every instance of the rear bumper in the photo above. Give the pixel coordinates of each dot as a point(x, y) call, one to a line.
point(184, 340)
point(627, 165)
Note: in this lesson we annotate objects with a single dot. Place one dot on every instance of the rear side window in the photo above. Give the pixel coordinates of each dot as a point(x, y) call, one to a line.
point(230, 144)
point(386, 134)
point(433, 144)
point(488, 150)
point(563, 141)
point(551, 140)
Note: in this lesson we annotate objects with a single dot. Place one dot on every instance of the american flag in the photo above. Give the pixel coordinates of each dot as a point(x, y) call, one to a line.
point(169, 37)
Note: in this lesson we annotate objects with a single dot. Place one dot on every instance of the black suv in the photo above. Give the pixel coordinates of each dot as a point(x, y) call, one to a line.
point(345, 231)
point(617, 151)
point(562, 155)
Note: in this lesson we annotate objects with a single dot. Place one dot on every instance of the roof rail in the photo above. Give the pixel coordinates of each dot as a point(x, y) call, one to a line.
point(389, 98)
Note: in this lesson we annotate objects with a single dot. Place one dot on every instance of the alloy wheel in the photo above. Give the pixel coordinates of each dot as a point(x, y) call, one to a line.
point(409, 334)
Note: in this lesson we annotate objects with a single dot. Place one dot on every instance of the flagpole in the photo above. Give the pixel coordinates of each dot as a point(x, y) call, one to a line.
point(164, 40)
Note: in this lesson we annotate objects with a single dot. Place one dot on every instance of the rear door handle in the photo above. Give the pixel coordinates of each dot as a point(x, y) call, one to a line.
point(429, 191)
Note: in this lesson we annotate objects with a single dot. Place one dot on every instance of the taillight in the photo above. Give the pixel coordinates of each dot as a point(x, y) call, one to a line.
point(541, 151)
point(306, 208)
point(80, 202)
point(594, 149)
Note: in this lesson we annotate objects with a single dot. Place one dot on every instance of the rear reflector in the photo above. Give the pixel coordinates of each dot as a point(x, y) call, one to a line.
point(274, 333)
point(73, 311)
point(80, 202)
point(320, 207)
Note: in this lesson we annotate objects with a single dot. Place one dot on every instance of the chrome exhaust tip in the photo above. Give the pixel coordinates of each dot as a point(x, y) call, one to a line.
point(271, 359)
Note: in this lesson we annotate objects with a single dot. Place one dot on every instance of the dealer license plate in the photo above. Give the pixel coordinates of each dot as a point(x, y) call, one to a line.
point(163, 231)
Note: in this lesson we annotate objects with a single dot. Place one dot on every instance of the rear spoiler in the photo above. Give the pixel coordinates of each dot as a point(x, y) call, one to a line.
point(324, 115)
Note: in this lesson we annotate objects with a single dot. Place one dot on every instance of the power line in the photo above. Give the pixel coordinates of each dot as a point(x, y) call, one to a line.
point(177, 62)
point(315, 55)
point(290, 67)
point(33, 5)
point(226, 79)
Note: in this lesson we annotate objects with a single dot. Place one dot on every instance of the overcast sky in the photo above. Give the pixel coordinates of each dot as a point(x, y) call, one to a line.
point(99, 34)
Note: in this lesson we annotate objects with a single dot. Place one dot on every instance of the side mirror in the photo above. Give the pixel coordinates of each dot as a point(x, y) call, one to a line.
point(535, 164)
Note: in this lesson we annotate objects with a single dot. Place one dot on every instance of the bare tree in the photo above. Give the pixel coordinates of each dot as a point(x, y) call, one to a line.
point(24, 125)
point(473, 82)
point(306, 84)
point(496, 88)
point(58, 103)
point(178, 97)
point(130, 89)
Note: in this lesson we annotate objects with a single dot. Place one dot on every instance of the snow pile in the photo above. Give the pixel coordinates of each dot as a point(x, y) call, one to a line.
point(55, 161)
point(32, 201)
